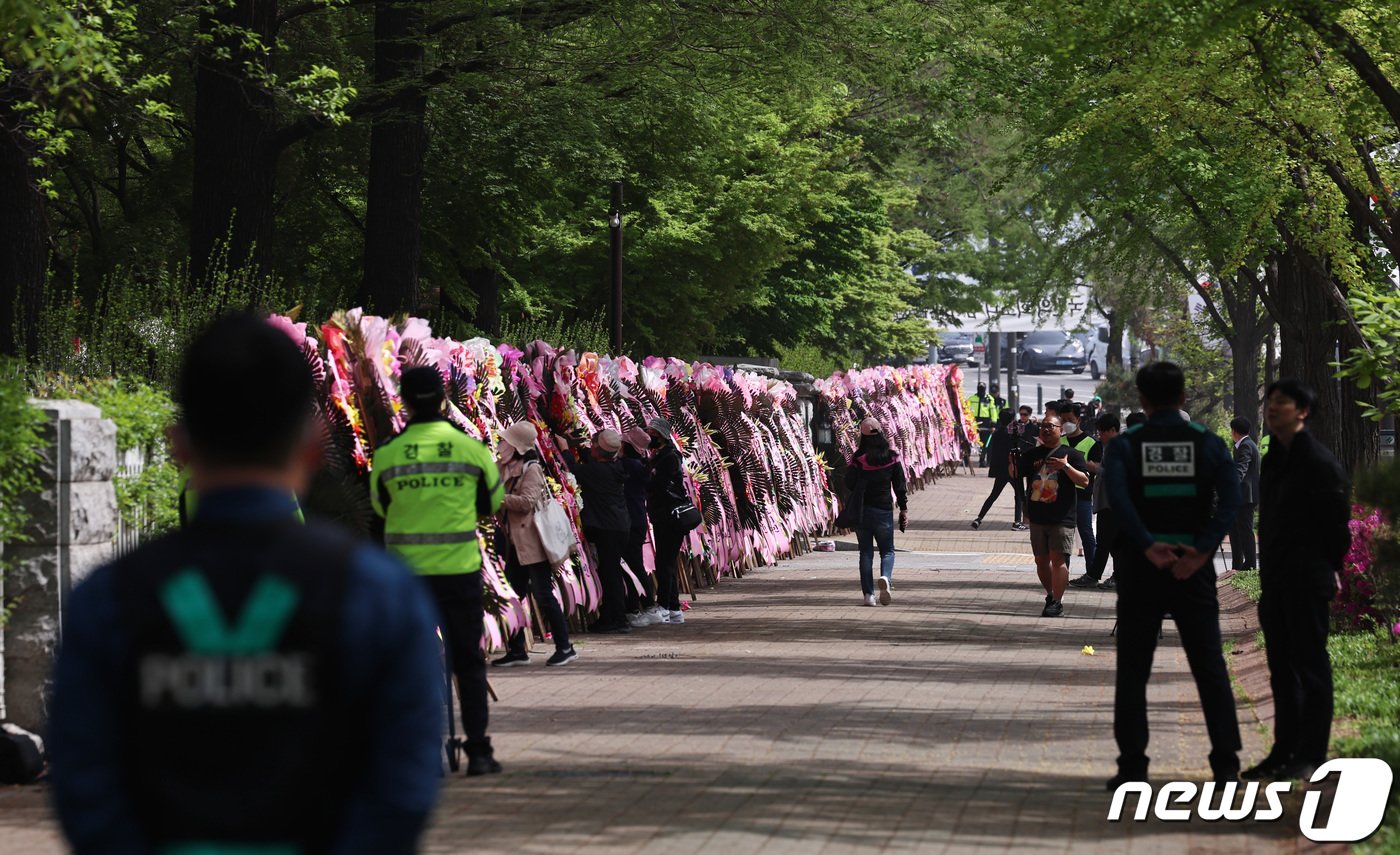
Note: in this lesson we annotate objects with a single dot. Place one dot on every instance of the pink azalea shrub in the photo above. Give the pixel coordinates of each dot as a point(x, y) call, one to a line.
point(1356, 604)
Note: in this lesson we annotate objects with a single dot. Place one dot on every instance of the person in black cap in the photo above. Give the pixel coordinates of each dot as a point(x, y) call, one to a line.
point(247, 683)
point(433, 483)
point(1173, 486)
point(984, 411)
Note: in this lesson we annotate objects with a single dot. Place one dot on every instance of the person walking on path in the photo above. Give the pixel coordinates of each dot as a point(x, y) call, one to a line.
point(1075, 437)
point(603, 483)
point(667, 494)
point(1242, 554)
point(875, 475)
point(1304, 536)
point(999, 449)
point(1163, 479)
point(527, 564)
point(432, 483)
point(641, 590)
point(1106, 521)
point(247, 683)
point(1054, 471)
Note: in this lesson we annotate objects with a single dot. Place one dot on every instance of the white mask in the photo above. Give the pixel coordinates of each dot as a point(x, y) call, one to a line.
point(1069, 428)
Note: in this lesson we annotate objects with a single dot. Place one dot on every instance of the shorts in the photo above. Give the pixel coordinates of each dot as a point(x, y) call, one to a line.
point(1052, 538)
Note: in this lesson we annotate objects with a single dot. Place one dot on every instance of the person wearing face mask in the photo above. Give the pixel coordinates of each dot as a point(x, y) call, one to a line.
point(999, 450)
point(1075, 437)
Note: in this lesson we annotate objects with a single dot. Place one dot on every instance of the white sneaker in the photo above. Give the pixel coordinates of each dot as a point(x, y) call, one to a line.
point(870, 599)
point(663, 616)
point(884, 585)
point(676, 616)
point(654, 616)
point(638, 620)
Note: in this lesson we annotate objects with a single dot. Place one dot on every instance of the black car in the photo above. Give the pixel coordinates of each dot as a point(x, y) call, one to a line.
point(1051, 350)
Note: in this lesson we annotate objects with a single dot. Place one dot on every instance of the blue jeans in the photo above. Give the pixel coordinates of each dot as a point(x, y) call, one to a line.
point(1084, 513)
point(876, 528)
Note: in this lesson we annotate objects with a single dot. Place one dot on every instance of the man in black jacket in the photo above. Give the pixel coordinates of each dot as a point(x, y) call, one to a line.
point(1304, 536)
point(1242, 555)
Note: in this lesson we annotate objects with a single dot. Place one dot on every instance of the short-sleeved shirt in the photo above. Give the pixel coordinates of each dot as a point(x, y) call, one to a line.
point(1051, 496)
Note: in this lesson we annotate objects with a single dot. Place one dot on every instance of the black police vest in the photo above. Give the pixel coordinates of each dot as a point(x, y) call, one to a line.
point(238, 731)
point(1171, 489)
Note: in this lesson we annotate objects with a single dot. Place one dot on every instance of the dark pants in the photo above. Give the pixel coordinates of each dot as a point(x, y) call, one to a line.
point(537, 579)
point(458, 599)
point(1106, 535)
point(1017, 488)
point(1242, 553)
point(1145, 595)
point(610, 546)
point(668, 550)
point(645, 598)
point(1300, 674)
point(1084, 521)
point(984, 431)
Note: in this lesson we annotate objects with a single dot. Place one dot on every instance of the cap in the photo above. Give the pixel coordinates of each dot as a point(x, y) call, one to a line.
point(869, 427)
point(521, 436)
point(660, 425)
point(639, 439)
point(608, 440)
point(421, 386)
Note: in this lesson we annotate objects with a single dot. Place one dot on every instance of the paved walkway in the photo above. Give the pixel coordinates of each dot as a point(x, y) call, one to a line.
point(786, 717)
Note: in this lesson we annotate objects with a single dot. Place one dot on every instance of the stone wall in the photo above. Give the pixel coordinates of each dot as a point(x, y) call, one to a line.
point(72, 517)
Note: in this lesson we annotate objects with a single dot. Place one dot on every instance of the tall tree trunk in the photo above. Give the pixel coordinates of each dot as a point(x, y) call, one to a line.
point(1311, 340)
point(235, 161)
point(1250, 327)
point(398, 145)
point(24, 230)
point(1117, 329)
point(485, 282)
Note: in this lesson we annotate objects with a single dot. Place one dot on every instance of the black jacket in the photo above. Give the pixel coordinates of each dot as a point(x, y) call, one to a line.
point(1247, 465)
point(1304, 516)
point(878, 481)
point(999, 448)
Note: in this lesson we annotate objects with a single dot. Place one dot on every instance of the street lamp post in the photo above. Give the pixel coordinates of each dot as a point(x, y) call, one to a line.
point(615, 226)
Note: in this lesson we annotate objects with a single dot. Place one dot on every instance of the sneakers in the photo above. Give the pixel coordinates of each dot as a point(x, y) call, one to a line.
point(870, 599)
point(511, 660)
point(1108, 584)
point(1054, 608)
point(883, 585)
point(976, 524)
point(1085, 581)
point(1125, 778)
point(563, 657)
point(649, 617)
point(1019, 526)
point(674, 617)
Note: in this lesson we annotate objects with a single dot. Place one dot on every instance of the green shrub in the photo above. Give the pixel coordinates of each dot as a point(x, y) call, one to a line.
point(19, 448)
point(1366, 676)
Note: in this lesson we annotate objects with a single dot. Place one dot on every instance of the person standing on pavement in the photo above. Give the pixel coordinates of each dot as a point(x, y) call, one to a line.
point(667, 492)
point(527, 564)
point(1164, 477)
point(247, 683)
point(1242, 555)
point(1106, 522)
point(606, 523)
point(1075, 437)
point(878, 474)
point(1054, 470)
point(999, 450)
point(641, 596)
point(1304, 536)
point(432, 484)
point(984, 411)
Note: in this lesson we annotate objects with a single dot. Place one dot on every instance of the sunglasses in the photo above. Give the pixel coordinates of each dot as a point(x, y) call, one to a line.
point(1048, 428)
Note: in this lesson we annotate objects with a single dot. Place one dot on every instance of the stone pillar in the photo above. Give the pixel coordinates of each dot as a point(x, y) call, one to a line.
point(72, 518)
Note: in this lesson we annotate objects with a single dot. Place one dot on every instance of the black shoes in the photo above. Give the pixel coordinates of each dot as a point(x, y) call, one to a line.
point(1108, 584)
point(976, 524)
point(1054, 608)
point(511, 660)
point(480, 760)
point(563, 657)
point(1122, 778)
point(1085, 581)
point(1280, 769)
point(1019, 526)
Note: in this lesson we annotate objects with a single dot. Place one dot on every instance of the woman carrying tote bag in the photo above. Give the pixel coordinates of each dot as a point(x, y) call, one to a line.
point(528, 568)
point(673, 516)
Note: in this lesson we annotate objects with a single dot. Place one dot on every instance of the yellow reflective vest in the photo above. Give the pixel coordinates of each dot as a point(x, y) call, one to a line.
point(983, 407)
point(432, 484)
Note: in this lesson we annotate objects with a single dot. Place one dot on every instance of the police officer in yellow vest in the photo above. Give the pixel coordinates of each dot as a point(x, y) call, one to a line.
point(984, 411)
point(1073, 434)
point(432, 483)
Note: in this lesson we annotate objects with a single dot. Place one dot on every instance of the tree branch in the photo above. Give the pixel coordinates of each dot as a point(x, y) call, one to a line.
point(1174, 258)
point(1345, 42)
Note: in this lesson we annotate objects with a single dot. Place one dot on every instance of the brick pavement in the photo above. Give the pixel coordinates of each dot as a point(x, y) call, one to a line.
point(785, 717)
